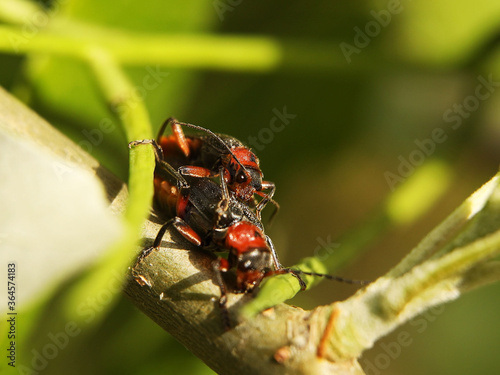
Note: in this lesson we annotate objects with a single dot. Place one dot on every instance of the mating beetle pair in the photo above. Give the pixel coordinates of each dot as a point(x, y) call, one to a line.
point(222, 216)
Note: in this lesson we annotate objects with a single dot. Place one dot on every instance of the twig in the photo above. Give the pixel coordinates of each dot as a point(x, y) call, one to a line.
point(176, 288)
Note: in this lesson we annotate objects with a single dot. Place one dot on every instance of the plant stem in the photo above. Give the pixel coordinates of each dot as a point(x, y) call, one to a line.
point(424, 187)
point(238, 53)
point(175, 286)
point(425, 278)
point(119, 93)
point(217, 52)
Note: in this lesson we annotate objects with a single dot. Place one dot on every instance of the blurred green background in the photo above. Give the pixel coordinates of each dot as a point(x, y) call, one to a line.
point(363, 84)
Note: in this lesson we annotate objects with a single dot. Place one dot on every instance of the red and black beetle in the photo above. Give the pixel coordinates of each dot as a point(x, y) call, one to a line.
point(211, 154)
point(206, 219)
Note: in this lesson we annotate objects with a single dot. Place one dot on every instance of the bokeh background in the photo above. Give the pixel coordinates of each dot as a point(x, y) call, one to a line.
point(391, 73)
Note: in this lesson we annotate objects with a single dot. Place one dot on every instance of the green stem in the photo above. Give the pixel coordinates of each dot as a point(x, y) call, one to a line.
point(450, 266)
point(217, 52)
point(390, 302)
point(423, 188)
point(447, 230)
point(119, 91)
point(240, 53)
point(425, 278)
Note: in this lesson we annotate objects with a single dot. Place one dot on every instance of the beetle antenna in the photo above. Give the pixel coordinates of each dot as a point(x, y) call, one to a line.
point(326, 276)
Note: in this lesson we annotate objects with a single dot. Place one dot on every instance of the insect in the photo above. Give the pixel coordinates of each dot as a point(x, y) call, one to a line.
point(206, 219)
point(212, 155)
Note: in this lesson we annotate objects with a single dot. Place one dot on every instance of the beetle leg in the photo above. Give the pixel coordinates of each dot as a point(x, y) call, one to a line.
point(164, 126)
point(163, 169)
point(193, 171)
point(276, 261)
point(279, 268)
point(186, 231)
point(266, 198)
point(224, 204)
point(294, 273)
point(157, 149)
point(266, 185)
point(156, 243)
point(221, 265)
point(182, 227)
point(179, 136)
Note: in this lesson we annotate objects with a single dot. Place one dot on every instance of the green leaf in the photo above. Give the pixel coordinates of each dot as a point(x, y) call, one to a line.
point(455, 257)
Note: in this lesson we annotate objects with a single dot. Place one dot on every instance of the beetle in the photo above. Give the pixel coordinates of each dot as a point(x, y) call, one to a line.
point(206, 218)
point(211, 154)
